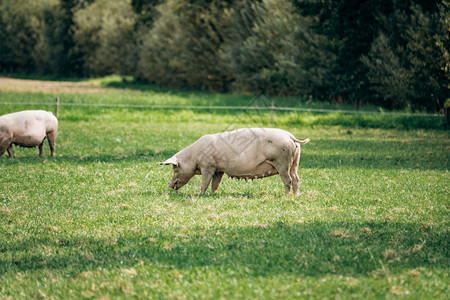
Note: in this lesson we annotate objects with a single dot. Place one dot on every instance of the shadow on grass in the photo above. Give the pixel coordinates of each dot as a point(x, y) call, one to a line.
point(311, 249)
point(419, 154)
point(136, 156)
point(179, 196)
point(42, 77)
point(143, 87)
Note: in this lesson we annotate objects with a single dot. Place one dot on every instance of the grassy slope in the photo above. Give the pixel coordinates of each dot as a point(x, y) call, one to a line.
point(98, 220)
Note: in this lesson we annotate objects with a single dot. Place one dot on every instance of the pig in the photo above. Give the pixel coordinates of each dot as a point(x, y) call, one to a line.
point(28, 128)
point(248, 153)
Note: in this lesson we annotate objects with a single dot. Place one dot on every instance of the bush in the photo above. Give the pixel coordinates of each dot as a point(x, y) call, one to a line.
point(409, 62)
point(180, 49)
point(21, 24)
point(270, 49)
point(391, 53)
point(105, 35)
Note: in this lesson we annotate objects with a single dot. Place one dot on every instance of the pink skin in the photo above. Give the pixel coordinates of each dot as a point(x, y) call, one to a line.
point(180, 177)
point(28, 129)
point(246, 154)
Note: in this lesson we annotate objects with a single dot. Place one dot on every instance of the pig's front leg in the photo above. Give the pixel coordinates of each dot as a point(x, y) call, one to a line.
point(207, 175)
point(5, 144)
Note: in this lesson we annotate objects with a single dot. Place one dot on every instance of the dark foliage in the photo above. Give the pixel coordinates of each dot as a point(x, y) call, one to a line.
point(390, 53)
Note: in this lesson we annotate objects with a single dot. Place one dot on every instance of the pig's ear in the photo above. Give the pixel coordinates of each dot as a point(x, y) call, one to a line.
point(170, 161)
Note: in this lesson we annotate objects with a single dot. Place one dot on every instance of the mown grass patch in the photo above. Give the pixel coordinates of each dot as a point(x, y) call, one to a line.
point(98, 220)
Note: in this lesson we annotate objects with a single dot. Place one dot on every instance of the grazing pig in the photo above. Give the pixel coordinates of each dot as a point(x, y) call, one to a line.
point(248, 153)
point(28, 129)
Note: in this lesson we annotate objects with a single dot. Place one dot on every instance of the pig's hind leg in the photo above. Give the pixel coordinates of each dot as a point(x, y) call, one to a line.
point(217, 178)
point(283, 168)
point(51, 136)
point(287, 180)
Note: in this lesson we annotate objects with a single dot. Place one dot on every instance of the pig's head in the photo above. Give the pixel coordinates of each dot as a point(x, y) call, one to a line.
point(182, 172)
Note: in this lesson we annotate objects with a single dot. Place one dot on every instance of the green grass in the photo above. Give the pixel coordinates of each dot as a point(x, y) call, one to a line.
point(98, 220)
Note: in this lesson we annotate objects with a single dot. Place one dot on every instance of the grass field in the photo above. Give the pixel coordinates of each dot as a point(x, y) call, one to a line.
point(98, 220)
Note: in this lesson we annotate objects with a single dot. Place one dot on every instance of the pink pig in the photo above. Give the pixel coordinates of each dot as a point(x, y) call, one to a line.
point(28, 129)
point(248, 153)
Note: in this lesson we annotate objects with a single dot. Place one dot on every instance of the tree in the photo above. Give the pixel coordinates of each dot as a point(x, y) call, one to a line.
point(146, 10)
point(49, 53)
point(104, 33)
point(350, 27)
point(270, 49)
point(180, 48)
point(20, 29)
point(409, 61)
point(71, 61)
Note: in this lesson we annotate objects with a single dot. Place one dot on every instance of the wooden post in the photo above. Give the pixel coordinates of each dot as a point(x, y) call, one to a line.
point(56, 106)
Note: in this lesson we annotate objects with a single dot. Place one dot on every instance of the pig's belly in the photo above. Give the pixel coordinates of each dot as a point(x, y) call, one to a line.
point(29, 140)
point(243, 172)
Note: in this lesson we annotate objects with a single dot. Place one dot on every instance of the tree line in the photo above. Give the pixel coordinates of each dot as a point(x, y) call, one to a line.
point(389, 53)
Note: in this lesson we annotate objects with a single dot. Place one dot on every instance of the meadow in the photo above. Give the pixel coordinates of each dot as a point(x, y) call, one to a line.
point(99, 221)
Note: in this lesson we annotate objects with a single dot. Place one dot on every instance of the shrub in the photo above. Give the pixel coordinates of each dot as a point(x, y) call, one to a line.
point(21, 24)
point(268, 48)
point(105, 35)
point(409, 60)
point(180, 48)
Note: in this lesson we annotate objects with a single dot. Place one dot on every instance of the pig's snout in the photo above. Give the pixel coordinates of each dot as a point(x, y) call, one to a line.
point(173, 184)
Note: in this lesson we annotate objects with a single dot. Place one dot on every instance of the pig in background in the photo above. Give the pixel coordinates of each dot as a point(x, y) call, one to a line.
point(28, 129)
point(249, 153)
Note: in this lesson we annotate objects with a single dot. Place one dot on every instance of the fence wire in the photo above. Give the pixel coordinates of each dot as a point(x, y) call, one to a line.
point(223, 107)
